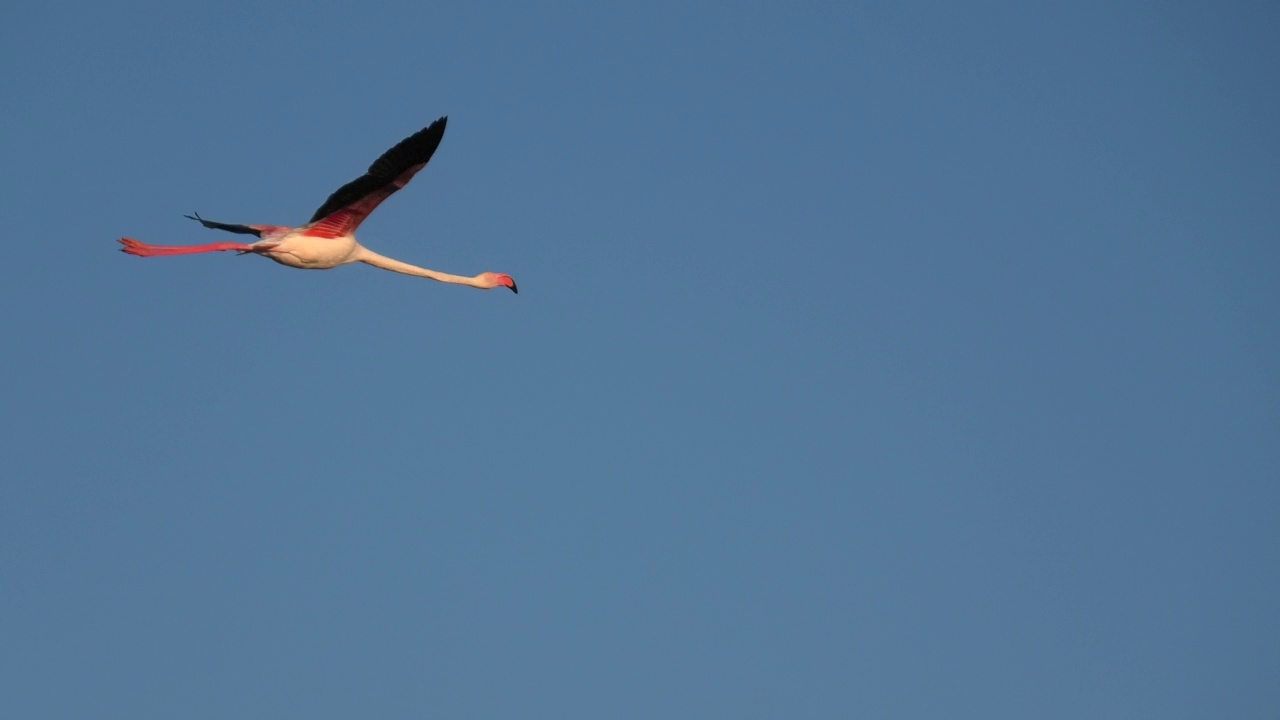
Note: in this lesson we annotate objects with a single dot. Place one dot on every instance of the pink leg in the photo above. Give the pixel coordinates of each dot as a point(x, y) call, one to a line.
point(133, 247)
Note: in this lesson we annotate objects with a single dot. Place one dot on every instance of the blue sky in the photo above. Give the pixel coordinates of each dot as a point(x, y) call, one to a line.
point(901, 360)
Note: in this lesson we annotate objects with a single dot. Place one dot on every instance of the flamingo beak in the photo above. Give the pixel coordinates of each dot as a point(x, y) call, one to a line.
point(513, 287)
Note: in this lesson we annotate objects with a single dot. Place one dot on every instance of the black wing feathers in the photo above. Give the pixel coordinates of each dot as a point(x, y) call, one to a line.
point(416, 149)
point(241, 229)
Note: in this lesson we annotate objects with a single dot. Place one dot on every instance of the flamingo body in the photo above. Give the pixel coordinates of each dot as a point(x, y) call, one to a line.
point(329, 240)
point(299, 249)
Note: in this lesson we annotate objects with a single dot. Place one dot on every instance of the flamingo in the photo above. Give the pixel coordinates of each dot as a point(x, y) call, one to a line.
point(328, 239)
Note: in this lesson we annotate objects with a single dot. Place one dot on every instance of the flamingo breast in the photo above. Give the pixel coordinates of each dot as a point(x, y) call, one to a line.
point(307, 252)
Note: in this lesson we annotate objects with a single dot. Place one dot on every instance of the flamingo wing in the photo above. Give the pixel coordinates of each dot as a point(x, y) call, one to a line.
point(346, 208)
point(258, 230)
point(229, 227)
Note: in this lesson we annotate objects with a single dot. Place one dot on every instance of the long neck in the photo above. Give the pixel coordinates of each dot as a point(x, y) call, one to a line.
point(370, 257)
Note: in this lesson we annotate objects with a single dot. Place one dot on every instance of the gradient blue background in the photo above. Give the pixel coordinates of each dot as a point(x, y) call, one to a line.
point(896, 359)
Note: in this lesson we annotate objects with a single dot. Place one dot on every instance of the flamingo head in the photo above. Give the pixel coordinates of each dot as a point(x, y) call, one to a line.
point(492, 280)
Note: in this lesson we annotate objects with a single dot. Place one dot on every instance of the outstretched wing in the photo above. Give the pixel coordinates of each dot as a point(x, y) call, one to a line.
point(343, 212)
point(258, 230)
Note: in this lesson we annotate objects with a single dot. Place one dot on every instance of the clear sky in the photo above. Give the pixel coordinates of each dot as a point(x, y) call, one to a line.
point(890, 360)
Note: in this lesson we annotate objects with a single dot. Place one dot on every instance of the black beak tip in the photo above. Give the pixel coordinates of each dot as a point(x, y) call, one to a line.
point(513, 287)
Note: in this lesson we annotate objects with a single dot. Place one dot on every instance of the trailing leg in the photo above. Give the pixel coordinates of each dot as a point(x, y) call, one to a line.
point(141, 249)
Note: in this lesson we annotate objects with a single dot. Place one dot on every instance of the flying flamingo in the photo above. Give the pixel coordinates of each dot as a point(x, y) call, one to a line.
point(329, 240)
